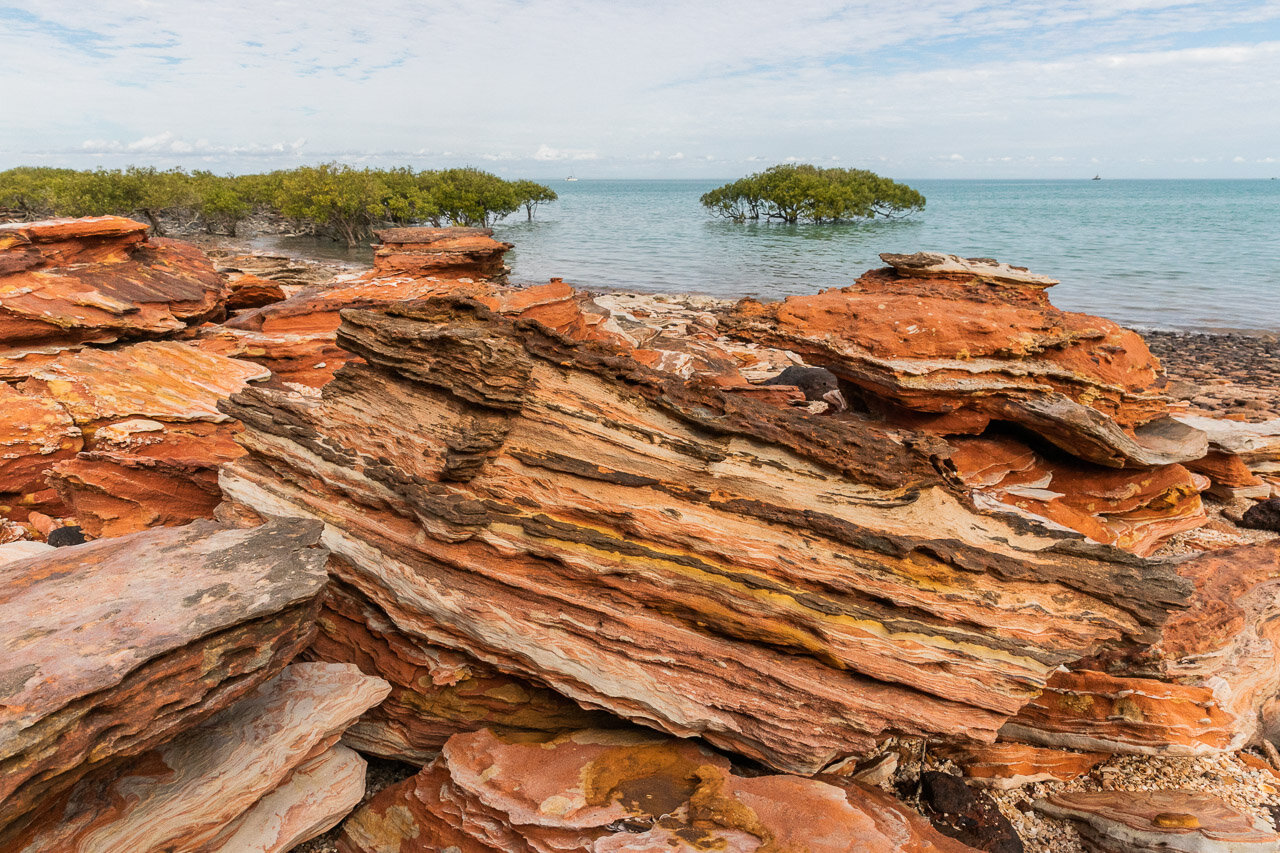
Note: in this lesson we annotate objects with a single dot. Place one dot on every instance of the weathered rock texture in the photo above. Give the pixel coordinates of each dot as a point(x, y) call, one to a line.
point(1012, 765)
point(262, 775)
point(114, 647)
point(143, 416)
point(73, 281)
point(295, 337)
point(955, 343)
point(435, 692)
point(790, 587)
point(1159, 821)
point(620, 791)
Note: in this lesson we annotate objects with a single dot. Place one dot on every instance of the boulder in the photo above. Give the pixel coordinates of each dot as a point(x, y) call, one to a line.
point(976, 341)
point(68, 281)
point(262, 775)
point(114, 647)
point(788, 586)
point(442, 252)
point(1160, 821)
point(1263, 516)
point(620, 792)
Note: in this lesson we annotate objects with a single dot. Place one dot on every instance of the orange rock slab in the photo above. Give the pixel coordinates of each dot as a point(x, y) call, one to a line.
point(35, 434)
point(624, 792)
point(442, 252)
point(1006, 765)
point(435, 692)
point(99, 279)
point(116, 646)
point(236, 782)
point(938, 337)
point(1134, 509)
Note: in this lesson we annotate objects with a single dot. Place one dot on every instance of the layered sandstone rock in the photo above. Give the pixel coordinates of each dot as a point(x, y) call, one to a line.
point(1245, 457)
point(1177, 820)
point(98, 279)
point(623, 791)
point(435, 692)
point(114, 647)
point(1012, 765)
point(788, 586)
point(1134, 509)
point(951, 344)
point(442, 252)
point(261, 775)
point(144, 417)
point(35, 433)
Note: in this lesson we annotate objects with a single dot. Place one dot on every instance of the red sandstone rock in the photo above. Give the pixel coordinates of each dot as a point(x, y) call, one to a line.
point(114, 647)
point(250, 291)
point(263, 774)
point(1160, 821)
point(435, 692)
point(1094, 711)
point(789, 587)
point(441, 252)
point(1132, 509)
point(97, 279)
point(941, 335)
point(1012, 765)
point(624, 792)
point(35, 433)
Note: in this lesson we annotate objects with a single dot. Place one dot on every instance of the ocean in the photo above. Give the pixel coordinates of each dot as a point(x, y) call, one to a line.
point(1199, 255)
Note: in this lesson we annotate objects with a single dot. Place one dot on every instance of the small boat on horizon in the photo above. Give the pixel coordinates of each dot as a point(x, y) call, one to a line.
point(1097, 177)
point(571, 178)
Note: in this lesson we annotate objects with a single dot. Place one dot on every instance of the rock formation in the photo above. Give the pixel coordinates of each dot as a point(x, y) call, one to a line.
point(261, 775)
point(537, 504)
point(73, 281)
point(1142, 821)
point(114, 647)
point(624, 791)
point(957, 343)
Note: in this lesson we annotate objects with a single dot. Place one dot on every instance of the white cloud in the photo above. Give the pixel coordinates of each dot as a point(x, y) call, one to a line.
point(901, 86)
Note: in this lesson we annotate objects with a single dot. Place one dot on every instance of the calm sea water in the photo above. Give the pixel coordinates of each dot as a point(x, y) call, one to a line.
point(1157, 254)
point(1199, 254)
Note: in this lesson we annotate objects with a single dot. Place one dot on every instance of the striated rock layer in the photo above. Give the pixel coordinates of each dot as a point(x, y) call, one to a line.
point(69, 281)
point(790, 587)
point(610, 792)
point(261, 775)
point(435, 692)
point(114, 647)
point(951, 344)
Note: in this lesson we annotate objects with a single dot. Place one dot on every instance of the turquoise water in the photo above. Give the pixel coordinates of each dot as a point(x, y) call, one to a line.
point(1155, 254)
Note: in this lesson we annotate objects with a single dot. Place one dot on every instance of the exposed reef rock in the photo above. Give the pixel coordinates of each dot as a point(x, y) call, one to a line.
point(624, 792)
point(114, 647)
point(971, 342)
point(441, 252)
point(262, 775)
point(565, 514)
point(70, 281)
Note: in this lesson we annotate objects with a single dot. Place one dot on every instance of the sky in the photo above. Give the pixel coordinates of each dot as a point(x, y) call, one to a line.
point(655, 89)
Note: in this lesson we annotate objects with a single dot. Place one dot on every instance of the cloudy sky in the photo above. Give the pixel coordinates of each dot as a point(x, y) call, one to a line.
point(543, 88)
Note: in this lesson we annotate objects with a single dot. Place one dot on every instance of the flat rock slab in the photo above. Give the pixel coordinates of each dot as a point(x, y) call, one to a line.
point(114, 647)
point(1160, 822)
point(616, 791)
point(258, 775)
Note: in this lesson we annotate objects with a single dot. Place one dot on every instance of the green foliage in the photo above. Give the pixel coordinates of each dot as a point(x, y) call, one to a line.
point(330, 199)
point(804, 193)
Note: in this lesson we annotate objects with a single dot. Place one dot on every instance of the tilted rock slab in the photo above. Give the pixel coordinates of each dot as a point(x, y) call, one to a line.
point(146, 415)
point(114, 647)
point(435, 692)
point(1160, 822)
point(35, 433)
point(247, 778)
point(789, 587)
point(610, 792)
point(69, 281)
point(971, 343)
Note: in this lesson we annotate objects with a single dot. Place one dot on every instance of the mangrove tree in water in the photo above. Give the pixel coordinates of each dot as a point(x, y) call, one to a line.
point(804, 193)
